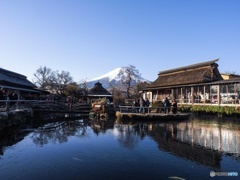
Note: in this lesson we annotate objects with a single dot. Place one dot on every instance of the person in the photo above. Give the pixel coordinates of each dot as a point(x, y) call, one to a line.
point(166, 105)
point(134, 106)
point(238, 98)
point(147, 104)
point(141, 103)
point(174, 106)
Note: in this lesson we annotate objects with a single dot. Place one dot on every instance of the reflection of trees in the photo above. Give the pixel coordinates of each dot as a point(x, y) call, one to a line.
point(100, 126)
point(11, 137)
point(58, 132)
point(130, 135)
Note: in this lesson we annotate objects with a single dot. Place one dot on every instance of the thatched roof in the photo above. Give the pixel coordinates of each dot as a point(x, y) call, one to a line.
point(192, 74)
point(9, 78)
point(98, 90)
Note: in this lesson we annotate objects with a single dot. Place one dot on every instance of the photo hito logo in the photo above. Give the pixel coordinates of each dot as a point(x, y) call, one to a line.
point(212, 173)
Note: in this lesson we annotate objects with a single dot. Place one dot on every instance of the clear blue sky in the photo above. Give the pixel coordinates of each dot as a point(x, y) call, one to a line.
point(89, 38)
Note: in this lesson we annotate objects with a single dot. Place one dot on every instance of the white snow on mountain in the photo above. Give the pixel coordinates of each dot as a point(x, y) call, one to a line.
point(113, 77)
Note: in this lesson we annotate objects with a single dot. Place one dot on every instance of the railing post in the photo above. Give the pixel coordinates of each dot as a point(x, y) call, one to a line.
point(7, 104)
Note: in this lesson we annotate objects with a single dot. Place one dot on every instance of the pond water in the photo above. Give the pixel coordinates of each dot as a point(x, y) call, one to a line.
point(83, 149)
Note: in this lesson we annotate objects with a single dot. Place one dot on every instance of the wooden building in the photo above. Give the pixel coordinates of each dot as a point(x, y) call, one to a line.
point(15, 85)
point(199, 83)
point(98, 92)
point(226, 76)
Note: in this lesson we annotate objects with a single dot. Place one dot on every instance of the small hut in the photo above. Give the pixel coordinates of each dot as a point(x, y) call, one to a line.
point(98, 92)
point(100, 99)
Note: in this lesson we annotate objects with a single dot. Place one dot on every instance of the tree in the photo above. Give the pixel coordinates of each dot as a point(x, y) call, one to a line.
point(129, 77)
point(231, 72)
point(60, 81)
point(73, 89)
point(43, 76)
point(54, 81)
point(138, 88)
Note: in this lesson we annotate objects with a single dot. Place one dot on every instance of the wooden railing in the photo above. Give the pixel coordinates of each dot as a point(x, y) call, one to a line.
point(7, 104)
point(147, 110)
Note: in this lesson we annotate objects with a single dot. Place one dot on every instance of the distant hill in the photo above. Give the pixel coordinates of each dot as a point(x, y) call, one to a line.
point(112, 77)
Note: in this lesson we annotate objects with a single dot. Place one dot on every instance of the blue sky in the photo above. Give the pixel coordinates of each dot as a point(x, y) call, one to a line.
point(89, 38)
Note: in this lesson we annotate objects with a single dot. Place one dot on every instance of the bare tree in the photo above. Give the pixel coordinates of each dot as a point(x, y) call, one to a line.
point(60, 81)
point(231, 72)
point(129, 77)
point(84, 88)
point(54, 81)
point(112, 86)
point(43, 76)
point(64, 77)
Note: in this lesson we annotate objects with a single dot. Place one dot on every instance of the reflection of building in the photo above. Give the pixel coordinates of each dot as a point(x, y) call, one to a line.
point(198, 137)
point(98, 92)
point(202, 142)
point(194, 84)
point(210, 136)
point(164, 135)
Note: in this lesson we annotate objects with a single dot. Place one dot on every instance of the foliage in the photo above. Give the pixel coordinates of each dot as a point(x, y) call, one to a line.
point(118, 97)
point(223, 110)
point(74, 90)
point(184, 108)
point(157, 104)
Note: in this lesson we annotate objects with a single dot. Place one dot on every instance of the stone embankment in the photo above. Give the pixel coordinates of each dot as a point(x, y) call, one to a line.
point(15, 117)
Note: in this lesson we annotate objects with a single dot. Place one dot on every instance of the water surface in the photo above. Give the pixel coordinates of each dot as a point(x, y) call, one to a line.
point(83, 149)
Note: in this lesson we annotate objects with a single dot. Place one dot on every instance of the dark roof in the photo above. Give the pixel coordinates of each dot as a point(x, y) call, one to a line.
point(14, 79)
point(98, 90)
point(193, 74)
point(193, 66)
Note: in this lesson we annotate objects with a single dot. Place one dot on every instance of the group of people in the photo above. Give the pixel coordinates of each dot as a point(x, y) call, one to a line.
point(144, 104)
point(167, 106)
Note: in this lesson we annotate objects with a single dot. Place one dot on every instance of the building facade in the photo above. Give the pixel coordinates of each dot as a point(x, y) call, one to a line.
point(199, 83)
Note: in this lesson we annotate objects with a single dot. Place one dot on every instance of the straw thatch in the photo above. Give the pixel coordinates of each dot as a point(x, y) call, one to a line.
point(193, 74)
point(10, 78)
point(98, 90)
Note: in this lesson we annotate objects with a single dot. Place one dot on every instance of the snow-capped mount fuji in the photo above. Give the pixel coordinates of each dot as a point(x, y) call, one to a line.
point(113, 77)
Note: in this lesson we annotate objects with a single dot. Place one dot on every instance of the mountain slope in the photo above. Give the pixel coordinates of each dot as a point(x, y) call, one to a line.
point(113, 77)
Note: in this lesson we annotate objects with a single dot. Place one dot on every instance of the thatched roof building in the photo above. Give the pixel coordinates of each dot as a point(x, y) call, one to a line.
point(192, 74)
point(98, 92)
point(15, 81)
point(196, 83)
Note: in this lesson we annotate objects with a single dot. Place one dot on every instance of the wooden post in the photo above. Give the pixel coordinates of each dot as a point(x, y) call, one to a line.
point(192, 93)
point(218, 95)
point(7, 104)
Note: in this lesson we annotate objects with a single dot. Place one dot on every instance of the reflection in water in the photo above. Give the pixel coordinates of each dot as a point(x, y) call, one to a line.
point(11, 137)
point(130, 135)
point(200, 141)
point(99, 126)
point(58, 132)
